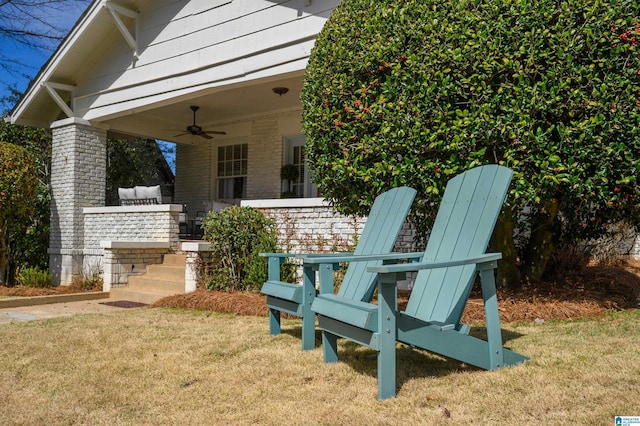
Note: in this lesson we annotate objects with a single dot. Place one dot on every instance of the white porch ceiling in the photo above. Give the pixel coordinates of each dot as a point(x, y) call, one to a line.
point(218, 107)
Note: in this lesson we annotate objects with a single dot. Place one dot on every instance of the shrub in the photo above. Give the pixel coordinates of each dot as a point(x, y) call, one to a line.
point(18, 189)
point(237, 236)
point(415, 92)
point(89, 280)
point(34, 277)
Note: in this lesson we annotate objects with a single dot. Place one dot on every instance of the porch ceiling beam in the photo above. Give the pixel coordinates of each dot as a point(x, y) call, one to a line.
point(117, 11)
point(52, 88)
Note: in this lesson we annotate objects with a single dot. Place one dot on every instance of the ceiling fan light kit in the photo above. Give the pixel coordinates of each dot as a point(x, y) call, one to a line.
point(280, 90)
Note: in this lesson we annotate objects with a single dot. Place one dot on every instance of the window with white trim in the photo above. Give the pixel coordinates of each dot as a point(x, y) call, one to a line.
point(232, 171)
point(303, 185)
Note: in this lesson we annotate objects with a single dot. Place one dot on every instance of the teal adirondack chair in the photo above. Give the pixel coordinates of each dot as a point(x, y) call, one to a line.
point(454, 255)
point(379, 235)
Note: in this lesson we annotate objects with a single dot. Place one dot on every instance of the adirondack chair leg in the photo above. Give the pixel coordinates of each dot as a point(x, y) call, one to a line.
point(387, 328)
point(308, 329)
point(274, 322)
point(308, 316)
point(494, 335)
point(329, 347)
point(274, 275)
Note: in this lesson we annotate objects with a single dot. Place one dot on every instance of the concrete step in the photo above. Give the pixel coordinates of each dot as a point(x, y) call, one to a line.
point(138, 295)
point(157, 282)
point(172, 259)
point(166, 272)
point(145, 282)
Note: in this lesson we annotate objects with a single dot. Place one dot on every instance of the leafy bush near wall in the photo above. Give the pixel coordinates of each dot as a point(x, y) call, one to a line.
point(237, 236)
point(90, 279)
point(415, 92)
point(34, 277)
point(18, 190)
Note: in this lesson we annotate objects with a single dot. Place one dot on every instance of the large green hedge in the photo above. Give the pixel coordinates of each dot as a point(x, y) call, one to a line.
point(414, 92)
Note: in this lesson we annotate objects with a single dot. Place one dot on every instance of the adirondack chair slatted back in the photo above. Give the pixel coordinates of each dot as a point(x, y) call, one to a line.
point(464, 224)
point(379, 235)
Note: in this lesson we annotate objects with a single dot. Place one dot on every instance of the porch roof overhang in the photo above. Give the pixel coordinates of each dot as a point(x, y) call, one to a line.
point(159, 108)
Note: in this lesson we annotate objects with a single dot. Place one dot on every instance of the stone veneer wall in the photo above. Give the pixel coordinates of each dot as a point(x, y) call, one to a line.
point(131, 223)
point(119, 264)
point(310, 225)
point(196, 165)
point(143, 224)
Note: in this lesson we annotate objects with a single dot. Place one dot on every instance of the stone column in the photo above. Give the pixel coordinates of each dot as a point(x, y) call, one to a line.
point(78, 180)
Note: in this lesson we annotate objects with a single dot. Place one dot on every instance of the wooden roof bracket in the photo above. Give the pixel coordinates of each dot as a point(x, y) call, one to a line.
point(117, 12)
point(52, 89)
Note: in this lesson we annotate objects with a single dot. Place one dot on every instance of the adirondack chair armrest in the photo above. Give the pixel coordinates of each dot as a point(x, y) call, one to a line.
point(346, 255)
point(388, 257)
point(307, 255)
point(417, 266)
point(274, 261)
point(278, 255)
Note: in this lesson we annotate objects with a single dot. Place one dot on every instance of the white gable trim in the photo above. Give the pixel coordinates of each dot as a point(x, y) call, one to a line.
point(117, 10)
point(52, 87)
point(49, 68)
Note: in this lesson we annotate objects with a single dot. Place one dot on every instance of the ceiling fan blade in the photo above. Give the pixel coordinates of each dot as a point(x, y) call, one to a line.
point(215, 132)
point(205, 135)
point(181, 134)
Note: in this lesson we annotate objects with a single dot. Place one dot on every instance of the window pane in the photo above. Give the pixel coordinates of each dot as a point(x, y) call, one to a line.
point(232, 170)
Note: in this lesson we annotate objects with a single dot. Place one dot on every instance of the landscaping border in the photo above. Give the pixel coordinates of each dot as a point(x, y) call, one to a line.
point(16, 302)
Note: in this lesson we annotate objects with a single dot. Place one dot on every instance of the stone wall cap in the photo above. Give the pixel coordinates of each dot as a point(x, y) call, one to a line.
point(285, 203)
point(107, 244)
point(150, 208)
point(196, 246)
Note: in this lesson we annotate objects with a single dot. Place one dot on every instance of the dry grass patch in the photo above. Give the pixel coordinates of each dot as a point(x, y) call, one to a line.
point(162, 366)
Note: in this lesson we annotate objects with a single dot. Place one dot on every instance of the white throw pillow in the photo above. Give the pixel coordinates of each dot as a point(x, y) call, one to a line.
point(148, 192)
point(127, 193)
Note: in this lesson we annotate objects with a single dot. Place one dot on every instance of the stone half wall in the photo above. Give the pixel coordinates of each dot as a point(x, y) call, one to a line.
point(131, 223)
point(122, 240)
point(310, 225)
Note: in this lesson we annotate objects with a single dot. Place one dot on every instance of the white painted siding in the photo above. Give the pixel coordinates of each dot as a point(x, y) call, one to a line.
point(194, 45)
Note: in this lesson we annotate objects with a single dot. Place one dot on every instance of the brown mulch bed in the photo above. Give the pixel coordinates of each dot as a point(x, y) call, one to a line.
point(19, 291)
point(586, 293)
point(581, 295)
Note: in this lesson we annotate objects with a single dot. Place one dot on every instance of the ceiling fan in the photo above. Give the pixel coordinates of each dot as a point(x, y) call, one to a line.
point(196, 130)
